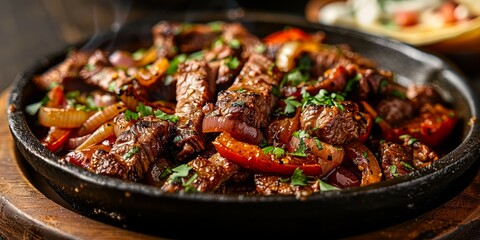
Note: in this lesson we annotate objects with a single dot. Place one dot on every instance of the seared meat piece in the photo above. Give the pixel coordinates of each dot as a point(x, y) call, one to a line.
point(268, 185)
point(98, 72)
point(224, 72)
point(337, 55)
point(134, 150)
point(333, 125)
point(247, 104)
point(396, 159)
point(333, 81)
point(210, 173)
point(420, 95)
point(395, 110)
point(163, 38)
point(249, 42)
point(365, 161)
point(422, 154)
point(187, 38)
point(66, 70)
point(195, 88)
point(280, 131)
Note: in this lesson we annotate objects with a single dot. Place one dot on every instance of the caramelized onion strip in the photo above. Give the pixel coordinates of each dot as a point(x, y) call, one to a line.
point(62, 118)
point(103, 132)
point(101, 117)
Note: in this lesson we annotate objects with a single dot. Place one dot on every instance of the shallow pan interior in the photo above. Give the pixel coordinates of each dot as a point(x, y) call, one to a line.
point(144, 207)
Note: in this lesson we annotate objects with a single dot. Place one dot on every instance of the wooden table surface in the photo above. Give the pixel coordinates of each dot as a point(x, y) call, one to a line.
point(30, 29)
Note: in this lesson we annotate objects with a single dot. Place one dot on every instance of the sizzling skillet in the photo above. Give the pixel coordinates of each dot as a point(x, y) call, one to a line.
point(146, 208)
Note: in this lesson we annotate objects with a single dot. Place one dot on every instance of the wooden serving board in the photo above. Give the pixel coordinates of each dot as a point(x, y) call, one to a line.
point(30, 210)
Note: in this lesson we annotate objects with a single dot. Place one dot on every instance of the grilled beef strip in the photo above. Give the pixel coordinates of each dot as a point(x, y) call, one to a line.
point(99, 72)
point(333, 125)
point(63, 72)
point(134, 150)
point(395, 159)
point(208, 174)
point(395, 110)
point(249, 101)
point(269, 185)
point(195, 88)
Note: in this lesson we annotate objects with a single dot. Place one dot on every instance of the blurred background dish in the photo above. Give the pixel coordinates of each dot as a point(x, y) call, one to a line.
point(448, 27)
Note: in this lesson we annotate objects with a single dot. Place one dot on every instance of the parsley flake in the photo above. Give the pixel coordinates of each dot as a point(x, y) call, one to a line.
point(278, 152)
point(131, 152)
point(326, 187)
point(291, 105)
point(232, 62)
point(33, 108)
point(407, 165)
point(129, 115)
point(172, 68)
point(164, 116)
point(235, 43)
point(179, 172)
point(298, 178)
point(393, 170)
point(144, 110)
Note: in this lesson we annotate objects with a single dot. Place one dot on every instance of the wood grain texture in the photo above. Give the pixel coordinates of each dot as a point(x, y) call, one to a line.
point(26, 213)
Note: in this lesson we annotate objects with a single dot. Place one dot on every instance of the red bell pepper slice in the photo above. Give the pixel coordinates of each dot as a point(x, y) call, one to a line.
point(252, 157)
point(289, 34)
point(56, 97)
point(431, 127)
point(56, 138)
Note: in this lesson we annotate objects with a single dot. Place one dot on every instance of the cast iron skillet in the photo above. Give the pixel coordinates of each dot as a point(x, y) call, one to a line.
point(335, 213)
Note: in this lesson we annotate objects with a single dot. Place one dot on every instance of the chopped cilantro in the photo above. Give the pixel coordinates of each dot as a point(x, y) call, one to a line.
point(33, 108)
point(165, 173)
point(278, 152)
point(364, 154)
point(300, 152)
point(393, 170)
point(353, 83)
point(91, 105)
point(138, 55)
point(144, 110)
point(129, 115)
point(89, 67)
point(407, 165)
point(216, 26)
point(235, 43)
point(196, 55)
point(378, 119)
point(298, 178)
point(175, 62)
point(263, 143)
point(163, 116)
point(179, 172)
point(260, 48)
point(383, 85)
point(241, 90)
point(299, 74)
point(323, 98)
point(72, 94)
point(291, 105)
point(318, 143)
point(276, 91)
point(399, 94)
point(131, 152)
point(326, 187)
point(238, 103)
point(217, 43)
point(188, 184)
point(112, 86)
point(232, 62)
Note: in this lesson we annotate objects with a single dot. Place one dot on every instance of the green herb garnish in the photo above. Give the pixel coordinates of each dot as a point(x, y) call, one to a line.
point(179, 172)
point(326, 187)
point(33, 108)
point(278, 152)
point(131, 152)
point(291, 105)
point(298, 178)
point(130, 115)
point(175, 62)
point(166, 117)
point(232, 62)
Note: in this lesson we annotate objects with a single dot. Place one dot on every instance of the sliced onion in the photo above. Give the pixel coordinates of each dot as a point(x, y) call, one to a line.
point(62, 118)
point(129, 100)
point(101, 117)
point(238, 129)
point(148, 77)
point(102, 133)
point(74, 142)
point(289, 51)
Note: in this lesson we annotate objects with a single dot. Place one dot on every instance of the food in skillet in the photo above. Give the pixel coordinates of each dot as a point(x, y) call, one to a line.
point(214, 108)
